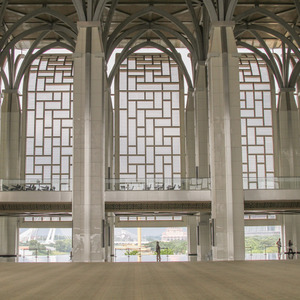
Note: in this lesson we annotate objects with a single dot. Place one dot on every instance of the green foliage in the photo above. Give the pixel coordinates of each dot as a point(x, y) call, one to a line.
point(63, 245)
point(176, 247)
point(166, 251)
point(133, 252)
point(258, 244)
point(41, 249)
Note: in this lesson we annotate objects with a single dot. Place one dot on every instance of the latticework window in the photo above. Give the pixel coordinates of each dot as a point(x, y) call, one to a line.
point(149, 109)
point(256, 121)
point(49, 128)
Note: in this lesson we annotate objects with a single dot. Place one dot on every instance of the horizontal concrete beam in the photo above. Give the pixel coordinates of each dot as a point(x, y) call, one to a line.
point(165, 196)
point(271, 195)
point(36, 197)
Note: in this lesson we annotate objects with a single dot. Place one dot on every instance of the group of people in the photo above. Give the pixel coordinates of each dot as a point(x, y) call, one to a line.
point(290, 251)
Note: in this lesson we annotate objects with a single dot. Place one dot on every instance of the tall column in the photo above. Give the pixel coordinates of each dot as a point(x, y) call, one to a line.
point(225, 144)
point(8, 236)
point(204, 248)
point(192, 237)
point(10, 164)
point(190, 137)
point(287, 154)
point(10, 145)
point(89, 145)
point(109, 237)
point(201, 121)
point(291, 231)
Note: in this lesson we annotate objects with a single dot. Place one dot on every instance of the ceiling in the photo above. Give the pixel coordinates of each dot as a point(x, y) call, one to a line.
point(13, 10)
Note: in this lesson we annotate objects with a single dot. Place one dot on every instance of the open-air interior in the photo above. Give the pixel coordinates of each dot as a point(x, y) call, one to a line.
point(126, 122)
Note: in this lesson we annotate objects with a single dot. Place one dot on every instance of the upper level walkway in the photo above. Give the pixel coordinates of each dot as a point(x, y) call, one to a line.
point(182, 195)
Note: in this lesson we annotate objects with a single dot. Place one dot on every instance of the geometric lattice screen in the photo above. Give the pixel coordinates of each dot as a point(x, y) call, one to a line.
point(256, 123)
point(49, 128)
point(149, 113)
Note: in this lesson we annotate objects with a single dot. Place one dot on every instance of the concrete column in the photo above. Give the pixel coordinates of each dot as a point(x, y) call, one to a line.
point(10, 164)
point(10, 145)
point(287, 154)
point(190, 137)
point(111, 221)
point(192, 237)
point(201, 122)
point(8, 237)
point(204, 247)
point(225, 145)
point(89, 145)
point(291, 231)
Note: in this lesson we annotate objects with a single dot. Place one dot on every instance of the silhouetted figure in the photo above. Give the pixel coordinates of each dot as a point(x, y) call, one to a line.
point(278, 243)
point(291, 252)
point(157, 252)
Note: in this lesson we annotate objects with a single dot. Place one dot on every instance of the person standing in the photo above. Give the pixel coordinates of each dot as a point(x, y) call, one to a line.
point(158, 258)
point(278, 243)
point(290, 252)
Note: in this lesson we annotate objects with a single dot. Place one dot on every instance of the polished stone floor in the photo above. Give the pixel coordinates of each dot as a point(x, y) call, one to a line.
point(166, 280)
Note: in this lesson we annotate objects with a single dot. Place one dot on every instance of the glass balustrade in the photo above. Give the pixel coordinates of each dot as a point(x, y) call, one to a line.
point(150, 184)
point(9, 185)
point(157, 184)
point(271, 183)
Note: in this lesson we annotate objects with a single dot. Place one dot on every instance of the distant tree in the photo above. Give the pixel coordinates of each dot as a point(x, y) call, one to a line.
point(166, 251)
point(63, 245)
point(258, 244)
point(133, 252)
point(35, 245)
point(177, 247)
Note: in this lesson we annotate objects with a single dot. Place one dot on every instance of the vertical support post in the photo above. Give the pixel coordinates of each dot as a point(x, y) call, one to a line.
point(287, 154)
point(225, 144)
point(10, 146)
point(201, 121)
point(10, 164)
point(9, 237)
point(192, 237)
point(204, 247)
point(89, 145)
point(291, 231)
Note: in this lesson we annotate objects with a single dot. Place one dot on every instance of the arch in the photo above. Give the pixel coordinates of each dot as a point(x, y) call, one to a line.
point(294, 75)
point(230, 10)
point(144, 27)
point(43, 10)
point(197, 28)
point(264, 57)
point(99, 10)
point(270, 31)
point(108, 20)
point(5, 80)
point(78, 4)
point(112, 47)
point(34, 56)
point(11, 44)
point(125, 54)
point(160, 13)
point(211, 10)
point(270, 56)
point(178, 58)
point(272, 16)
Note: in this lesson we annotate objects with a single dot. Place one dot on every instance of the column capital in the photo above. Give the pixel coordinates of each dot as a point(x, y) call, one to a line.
point(10, 91)
point(85, 24)
point(223, 24)
point(287, 90)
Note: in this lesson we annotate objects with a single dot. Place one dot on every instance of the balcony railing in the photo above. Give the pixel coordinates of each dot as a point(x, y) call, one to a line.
point(150, 184)
point(158, 184)
point(273, 183)
point(8, 185)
